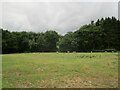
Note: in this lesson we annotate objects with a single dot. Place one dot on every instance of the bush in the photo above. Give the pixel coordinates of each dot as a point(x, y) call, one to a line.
point(108, 50)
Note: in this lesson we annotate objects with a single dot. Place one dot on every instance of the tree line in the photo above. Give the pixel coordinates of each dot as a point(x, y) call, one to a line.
point(96, 36)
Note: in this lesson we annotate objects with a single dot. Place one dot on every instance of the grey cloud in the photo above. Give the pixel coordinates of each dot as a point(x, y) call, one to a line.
point(61, 16)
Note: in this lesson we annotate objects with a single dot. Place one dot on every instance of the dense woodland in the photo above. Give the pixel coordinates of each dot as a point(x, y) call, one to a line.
point(97, 36)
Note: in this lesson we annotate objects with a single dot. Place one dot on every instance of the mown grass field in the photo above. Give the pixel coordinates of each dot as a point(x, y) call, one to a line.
point(62, 70)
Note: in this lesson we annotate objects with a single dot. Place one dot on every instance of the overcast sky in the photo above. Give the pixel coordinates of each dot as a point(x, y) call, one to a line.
point(59, 16)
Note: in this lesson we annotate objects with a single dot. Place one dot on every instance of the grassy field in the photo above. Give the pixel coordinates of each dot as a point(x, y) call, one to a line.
point(62, 70)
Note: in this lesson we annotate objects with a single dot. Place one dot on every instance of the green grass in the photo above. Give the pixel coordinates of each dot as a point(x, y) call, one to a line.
point(62, 70)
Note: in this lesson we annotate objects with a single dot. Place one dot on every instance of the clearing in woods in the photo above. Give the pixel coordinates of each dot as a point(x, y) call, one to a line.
point(60, 70)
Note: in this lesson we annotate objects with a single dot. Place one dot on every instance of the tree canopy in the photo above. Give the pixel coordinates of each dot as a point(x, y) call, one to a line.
point(100, 35)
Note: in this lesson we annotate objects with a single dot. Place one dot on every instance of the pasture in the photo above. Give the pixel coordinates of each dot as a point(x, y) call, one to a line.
point(60, 70)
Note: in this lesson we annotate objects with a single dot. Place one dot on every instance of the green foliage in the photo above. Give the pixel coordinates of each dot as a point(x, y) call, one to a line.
point(100, 35)
point(68, 42)
point(51, 38)
point(18, 42)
